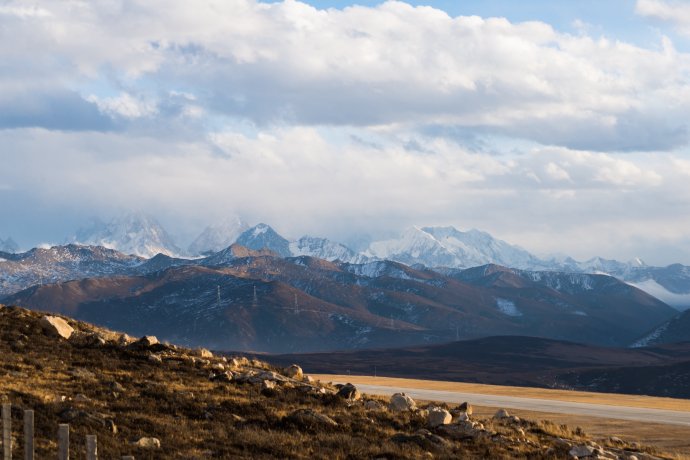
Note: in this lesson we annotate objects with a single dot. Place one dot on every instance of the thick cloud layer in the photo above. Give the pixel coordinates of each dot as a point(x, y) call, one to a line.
point(344, 121)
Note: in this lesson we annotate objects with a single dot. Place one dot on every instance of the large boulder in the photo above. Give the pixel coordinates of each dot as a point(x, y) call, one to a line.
point(349, 391)
point(581, 451)
point(439, 416)
point(400, 402)
point(56, 327)
point(501, 414)
point(295, 372)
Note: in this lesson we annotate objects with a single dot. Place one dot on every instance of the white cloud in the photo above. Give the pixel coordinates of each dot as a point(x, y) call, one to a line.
point(393, 65)
point(675, 12)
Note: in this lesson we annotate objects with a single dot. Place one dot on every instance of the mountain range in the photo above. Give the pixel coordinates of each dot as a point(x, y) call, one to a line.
point(8, 245)
point(434, 247)
point(241, 298)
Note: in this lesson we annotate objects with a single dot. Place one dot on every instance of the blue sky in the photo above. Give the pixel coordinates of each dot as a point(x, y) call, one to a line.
point(558, 126)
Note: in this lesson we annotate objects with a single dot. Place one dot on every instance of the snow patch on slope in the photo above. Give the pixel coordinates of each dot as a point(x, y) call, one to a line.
point(651, 338)
point(508, 307)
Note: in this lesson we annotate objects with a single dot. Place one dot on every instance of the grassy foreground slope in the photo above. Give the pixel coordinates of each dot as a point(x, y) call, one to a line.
point(201, 406)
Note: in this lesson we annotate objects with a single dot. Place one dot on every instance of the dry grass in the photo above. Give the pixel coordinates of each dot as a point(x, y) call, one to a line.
point(196, 418)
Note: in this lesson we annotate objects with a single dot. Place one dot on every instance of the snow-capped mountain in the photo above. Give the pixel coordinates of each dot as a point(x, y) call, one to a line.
point(61, 263)
point(218, 237)
point(262, 236)
point(8, 245)
point(322, 248)
point(449, 247)
point(134, 233)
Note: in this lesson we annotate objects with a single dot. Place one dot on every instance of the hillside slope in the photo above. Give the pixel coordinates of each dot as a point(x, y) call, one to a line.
point(200, 406)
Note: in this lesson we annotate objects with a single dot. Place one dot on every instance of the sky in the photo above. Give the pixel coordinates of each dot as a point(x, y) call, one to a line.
point(558, 126)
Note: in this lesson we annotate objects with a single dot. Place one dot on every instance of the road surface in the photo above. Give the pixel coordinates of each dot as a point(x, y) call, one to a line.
point(538, 405)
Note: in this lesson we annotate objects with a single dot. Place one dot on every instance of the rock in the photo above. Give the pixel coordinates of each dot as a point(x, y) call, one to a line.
point(203, 353)
point(268, 387)
point(466, 408)
point(148, 443)
point(439, 416)
point(373, 405)
point(295, 372)
point(349, 391)
point(309, 379)
point(225, 377)
point(616, 440)
point(218, 367)
point(124, 340)
point(155, 359)
point(400, 402)
point(501, 414)
point(308, 418)
point(423, 438)
point(87, 339)
point(581, 450)
point(462, 430)
point(463, 417)
point(56, 327)
point(145, 342)
point(81, 398)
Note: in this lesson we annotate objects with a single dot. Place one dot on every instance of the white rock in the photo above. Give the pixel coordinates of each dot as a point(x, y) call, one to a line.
point(56, 327)
point(439, 416)
point(400, 402)
point(581, 451)
point(149, 443)
point(295, 372)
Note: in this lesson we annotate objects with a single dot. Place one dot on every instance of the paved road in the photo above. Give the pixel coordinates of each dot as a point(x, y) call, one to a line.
point(539, 405)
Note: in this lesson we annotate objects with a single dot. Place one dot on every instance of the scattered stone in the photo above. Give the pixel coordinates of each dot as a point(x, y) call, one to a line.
point(350, 392)
point(87, 339)
point(203, 353)
point(295, 372)
point(237, 419)
point(56, 327)
point(124, 340)
point(148, 443)
point(218, 367)
point(155, 359)
point(268, 387)
point(400, 402)
point(225, 377)
point(501, 414)
point(309, 379)
point(423, 438)
point(145, 342)
point(439, 416)
point(466, 408)
point(581, 450)
point(373, 405)
point(463, 417)
point(462, 430)
point(616, 440)
point(308, 418)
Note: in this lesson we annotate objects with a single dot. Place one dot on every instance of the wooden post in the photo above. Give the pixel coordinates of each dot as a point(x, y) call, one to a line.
point(28, 435)
point(91, 448)
point(7, 431)
point(63, 442)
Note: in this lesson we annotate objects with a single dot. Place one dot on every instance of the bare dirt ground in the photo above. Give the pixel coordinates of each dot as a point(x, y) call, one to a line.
point(674, 440)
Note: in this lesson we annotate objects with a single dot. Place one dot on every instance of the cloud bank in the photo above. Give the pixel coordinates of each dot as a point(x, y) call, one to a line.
point(345, 121)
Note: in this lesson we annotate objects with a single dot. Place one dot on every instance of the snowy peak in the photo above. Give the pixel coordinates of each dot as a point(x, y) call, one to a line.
point(218, 237)
point(262, 236)
point(134, 233)
point(8, 245)
point(325, 249)
point(449, 247)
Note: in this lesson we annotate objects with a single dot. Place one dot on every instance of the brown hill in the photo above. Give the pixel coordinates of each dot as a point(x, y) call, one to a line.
point(199, 406)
